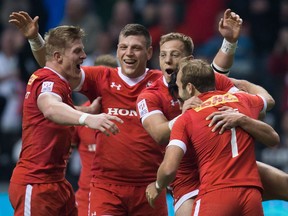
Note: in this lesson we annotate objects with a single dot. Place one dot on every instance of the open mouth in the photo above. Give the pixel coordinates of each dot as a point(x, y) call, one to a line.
point(129, 61)
point(170, 71)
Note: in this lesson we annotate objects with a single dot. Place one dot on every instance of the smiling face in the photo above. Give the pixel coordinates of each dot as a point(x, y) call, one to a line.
point(133, 54)
point(72, 58)
point(65, 50)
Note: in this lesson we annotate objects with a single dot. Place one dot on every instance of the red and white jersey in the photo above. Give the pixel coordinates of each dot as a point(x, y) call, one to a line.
point(225, 160)
point(156, 99)
point(45, 144)
point(131, 156)
point(85, 139)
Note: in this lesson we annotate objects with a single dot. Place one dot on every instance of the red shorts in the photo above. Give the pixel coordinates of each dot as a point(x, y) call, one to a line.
point(184, 188)
point(82, 201)
point(229, 201)
point(43, 199)
point(119, 200)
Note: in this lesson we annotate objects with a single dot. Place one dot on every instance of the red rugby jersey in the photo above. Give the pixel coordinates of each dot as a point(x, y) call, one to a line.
point(45, 144)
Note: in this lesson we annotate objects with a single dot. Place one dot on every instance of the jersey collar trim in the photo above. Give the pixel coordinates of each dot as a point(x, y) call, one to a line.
point(131, 81)
point(63, 78)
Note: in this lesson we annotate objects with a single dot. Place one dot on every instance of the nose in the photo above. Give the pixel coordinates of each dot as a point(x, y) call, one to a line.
point(167, 59)
point(83, 55)
point(129, 51)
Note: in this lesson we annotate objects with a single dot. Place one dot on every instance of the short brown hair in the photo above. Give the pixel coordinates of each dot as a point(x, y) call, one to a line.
point(60, 37)
point(186, 40)
point(137, 29)
point(199, 73)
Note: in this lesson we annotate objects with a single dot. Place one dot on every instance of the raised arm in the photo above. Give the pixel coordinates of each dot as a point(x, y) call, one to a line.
point(29, 27)
point(229, 27)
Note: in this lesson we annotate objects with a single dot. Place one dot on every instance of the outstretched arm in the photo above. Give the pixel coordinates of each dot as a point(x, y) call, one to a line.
point(227, 119)
point(275, 182)
point(29, 28)
point(252, 88)
point(55, 110)
point(165, 174)
point(229, 27)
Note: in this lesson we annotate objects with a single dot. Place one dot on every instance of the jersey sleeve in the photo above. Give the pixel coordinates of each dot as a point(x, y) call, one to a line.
point(223, 83)
point(53, 86)
point(179, 136)
point(147, 104)
point(255, 103)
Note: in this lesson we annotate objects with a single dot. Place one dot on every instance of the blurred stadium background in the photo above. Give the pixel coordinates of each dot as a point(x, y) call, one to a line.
point(261, 57)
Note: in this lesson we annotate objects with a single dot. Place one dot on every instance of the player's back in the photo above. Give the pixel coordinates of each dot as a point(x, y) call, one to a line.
point(224, 160)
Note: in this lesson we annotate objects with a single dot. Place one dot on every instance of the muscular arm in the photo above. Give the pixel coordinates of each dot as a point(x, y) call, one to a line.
point(275, 182)
point(157, 126)
point(168, 168)
point(261, 131)
point(228, 119)
point(166, 173)
point(254, 89)
point(55, 110)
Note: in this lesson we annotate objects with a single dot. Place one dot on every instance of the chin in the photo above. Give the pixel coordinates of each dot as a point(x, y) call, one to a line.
point(129, 71)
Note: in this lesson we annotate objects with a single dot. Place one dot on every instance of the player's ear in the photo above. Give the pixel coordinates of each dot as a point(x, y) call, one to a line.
point(190, 57)
point(58, 56)
point(190, 88)
point(149, 52)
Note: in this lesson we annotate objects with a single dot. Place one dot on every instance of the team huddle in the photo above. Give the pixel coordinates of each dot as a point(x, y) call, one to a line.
point(136, 140)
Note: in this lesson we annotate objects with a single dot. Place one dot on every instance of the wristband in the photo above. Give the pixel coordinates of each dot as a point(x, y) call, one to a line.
point(228, 48)
point(157, 186)
point(36, 43)
point(171, 123)
point(218, 69)
point(83, 118)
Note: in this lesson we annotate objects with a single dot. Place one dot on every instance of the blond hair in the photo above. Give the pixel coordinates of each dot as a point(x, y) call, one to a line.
point(59, 38)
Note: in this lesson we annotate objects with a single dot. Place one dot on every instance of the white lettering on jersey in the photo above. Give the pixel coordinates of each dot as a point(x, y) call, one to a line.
point(121, 112)
point(92, 147)
point(47, 86)
point(27, 95)
point(113, 84)
point(142, 107)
